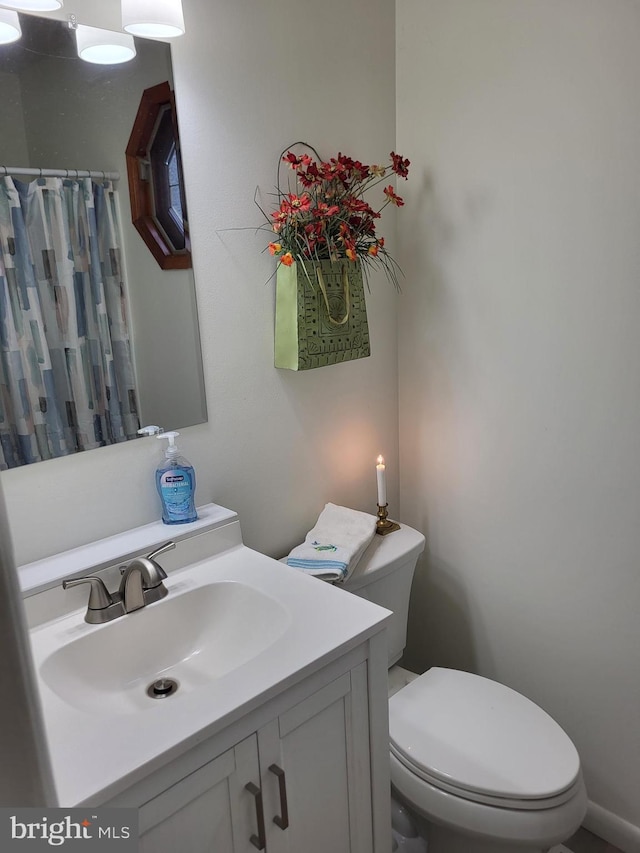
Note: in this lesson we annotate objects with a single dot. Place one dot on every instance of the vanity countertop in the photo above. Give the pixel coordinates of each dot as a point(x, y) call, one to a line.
point(102, 744)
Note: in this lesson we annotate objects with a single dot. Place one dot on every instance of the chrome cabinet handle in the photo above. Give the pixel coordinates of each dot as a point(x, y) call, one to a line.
point(259, 841)
point(281, 820)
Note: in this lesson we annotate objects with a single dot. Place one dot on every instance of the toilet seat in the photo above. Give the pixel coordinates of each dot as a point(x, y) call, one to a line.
point(481, 741)
point(543, 827)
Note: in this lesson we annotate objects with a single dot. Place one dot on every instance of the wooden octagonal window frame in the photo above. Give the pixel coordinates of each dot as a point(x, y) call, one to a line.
point(153, 160)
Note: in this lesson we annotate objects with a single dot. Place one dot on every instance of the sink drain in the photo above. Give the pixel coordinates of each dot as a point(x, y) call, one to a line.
point(162, 688)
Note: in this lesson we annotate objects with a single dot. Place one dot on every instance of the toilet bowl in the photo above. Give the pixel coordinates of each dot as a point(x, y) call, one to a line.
point(481, 768)
point(481, 760)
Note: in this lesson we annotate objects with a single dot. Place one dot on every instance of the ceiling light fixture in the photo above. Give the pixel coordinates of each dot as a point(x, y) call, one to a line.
point(153, 18)
point(35, 5)
point(9, 26)
point(103, 47)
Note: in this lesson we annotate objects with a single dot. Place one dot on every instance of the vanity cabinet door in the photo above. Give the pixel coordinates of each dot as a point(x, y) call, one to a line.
point(315, 769)
point(209, 811)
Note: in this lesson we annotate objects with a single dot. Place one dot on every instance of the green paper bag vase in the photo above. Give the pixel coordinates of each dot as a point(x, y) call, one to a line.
point(321, 315)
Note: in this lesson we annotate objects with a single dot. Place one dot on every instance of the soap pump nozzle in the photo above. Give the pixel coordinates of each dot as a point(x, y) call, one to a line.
point(172, 449)
point(152, 429)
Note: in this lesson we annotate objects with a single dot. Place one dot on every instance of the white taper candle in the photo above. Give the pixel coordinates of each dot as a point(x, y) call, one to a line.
point(382, 481)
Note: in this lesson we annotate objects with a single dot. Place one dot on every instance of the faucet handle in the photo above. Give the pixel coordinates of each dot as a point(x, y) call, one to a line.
point(156, 573)
point(99, 597)
point(168, 546)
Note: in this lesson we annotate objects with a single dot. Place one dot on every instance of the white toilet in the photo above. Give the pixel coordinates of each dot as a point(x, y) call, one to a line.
point(479, 767)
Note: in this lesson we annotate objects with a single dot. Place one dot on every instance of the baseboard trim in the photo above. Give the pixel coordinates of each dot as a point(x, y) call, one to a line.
point(612, 828)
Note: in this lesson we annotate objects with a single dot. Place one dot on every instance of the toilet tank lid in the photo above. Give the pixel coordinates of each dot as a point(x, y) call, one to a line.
point(384, 554)
point(481, 736)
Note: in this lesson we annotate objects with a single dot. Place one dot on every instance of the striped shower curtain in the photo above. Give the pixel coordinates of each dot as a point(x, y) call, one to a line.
point(66, 374)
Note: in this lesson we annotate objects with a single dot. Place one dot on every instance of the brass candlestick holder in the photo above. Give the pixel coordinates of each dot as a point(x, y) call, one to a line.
point(383, 525)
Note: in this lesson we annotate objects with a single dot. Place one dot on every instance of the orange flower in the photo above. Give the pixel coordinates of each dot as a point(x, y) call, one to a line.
point(351, 254)
point(373, 250)
point(275, 248)
point(287, 259)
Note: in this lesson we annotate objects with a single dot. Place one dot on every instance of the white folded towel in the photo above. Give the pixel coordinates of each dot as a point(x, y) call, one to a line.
point(331, 550)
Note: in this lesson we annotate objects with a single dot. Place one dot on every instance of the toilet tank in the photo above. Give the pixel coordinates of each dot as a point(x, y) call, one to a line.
point(384, 575)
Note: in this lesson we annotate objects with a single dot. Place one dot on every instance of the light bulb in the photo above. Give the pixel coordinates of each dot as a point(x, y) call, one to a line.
point(104, 47)
point(35, 5)
point(153, 18)
point(9, 26)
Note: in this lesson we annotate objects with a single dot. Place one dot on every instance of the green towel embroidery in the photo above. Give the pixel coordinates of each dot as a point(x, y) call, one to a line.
point(319, 547)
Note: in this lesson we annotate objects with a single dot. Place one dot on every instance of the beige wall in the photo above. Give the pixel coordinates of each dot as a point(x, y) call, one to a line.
point(519, 359)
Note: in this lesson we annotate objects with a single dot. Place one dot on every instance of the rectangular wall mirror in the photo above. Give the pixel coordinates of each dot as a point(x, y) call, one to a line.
point(61, 113)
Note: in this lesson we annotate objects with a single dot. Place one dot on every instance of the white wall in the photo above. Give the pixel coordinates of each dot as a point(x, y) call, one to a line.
point(519, 358)
point(252, 78)
point(25, 772)
point(14, 140)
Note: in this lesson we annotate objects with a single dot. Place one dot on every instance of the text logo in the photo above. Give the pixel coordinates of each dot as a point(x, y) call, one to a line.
point(72, 829)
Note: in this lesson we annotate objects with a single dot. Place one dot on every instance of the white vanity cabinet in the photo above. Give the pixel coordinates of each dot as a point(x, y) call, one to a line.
point(301, 782)
point(321, 745)
point(277, 736)
point(209, 810)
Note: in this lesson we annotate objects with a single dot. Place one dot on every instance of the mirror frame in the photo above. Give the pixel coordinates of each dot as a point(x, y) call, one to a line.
point(153, 104)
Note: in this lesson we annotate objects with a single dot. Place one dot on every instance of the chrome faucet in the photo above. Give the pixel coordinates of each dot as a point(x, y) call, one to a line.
point(141, 584)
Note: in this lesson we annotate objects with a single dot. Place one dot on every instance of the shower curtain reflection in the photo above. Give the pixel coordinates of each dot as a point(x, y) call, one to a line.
point(66, 373)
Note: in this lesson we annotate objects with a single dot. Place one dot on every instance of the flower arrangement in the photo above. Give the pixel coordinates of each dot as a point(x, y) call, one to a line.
point(326, 216)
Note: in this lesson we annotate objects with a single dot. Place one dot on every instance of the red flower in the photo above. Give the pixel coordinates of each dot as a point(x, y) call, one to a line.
point(325, 211)
point(356, 205)
point(311, 177)
point(293, 161)
point(359, 171)
point(352, 167)
point(302, 203)
point(392, 197)
point(314, 228)
point(400, 166)
point(280, 217)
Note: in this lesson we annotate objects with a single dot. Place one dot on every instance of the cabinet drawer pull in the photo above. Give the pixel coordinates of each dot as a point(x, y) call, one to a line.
point(259, 840)
point(281, 820)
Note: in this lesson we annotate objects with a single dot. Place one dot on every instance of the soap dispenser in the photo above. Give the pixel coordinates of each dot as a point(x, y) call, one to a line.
point(176, 484)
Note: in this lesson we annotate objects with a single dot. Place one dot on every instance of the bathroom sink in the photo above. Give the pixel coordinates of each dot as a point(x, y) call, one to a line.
point(192, 637)
point(236, 630)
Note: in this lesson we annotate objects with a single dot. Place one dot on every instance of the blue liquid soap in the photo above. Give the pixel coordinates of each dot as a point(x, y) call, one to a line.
point(176, 485)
